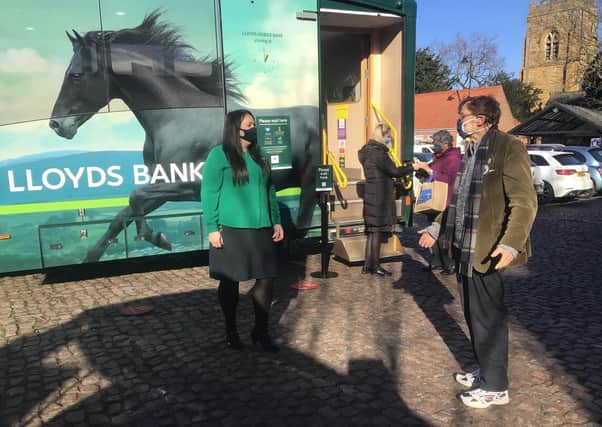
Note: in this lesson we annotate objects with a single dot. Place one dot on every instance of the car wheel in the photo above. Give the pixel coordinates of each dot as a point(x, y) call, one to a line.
point(548, 193)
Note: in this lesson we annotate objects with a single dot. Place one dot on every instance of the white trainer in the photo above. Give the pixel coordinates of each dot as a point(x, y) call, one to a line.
point(479, 398)
point(468, 379)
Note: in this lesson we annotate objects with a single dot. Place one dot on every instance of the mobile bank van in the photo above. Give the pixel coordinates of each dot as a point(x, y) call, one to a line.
point(108, 109)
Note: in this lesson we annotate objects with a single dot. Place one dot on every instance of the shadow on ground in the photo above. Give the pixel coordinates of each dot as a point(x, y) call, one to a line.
point(171, 367)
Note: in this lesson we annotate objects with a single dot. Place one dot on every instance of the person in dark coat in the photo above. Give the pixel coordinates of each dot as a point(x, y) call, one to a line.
point(379, 195)
point(444, 168)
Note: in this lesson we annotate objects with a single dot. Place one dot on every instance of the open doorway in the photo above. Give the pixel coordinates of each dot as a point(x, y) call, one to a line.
point(361, 67)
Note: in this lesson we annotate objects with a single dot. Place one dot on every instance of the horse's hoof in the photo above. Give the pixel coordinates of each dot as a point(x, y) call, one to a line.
point(161, 241)
point(93, 256)
point(157, 239)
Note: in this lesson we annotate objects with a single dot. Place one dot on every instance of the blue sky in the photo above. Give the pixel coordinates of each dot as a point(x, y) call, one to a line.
point(439, 21)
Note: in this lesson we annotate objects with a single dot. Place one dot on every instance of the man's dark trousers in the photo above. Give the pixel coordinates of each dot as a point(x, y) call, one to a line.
point(482, 297)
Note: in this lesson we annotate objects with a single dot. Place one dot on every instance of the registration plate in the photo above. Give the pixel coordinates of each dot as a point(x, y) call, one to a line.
point(581, 173)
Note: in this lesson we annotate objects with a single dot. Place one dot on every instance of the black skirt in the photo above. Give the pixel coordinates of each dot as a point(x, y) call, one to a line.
point(247, 253)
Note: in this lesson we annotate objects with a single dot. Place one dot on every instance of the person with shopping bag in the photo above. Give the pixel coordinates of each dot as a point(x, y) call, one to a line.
point(443, 169)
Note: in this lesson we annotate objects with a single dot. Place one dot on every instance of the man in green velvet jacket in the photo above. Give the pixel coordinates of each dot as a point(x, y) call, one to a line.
point(487, 229)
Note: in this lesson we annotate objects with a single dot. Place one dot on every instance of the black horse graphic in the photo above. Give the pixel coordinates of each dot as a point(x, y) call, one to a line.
point(179, 101)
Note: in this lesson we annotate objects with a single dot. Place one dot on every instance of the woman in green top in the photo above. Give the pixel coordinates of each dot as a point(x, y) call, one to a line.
point(243, 221)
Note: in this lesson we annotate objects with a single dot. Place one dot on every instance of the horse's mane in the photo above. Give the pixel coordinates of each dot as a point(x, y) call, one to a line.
point(152, 31)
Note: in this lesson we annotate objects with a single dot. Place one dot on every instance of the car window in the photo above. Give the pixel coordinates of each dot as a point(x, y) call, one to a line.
point(596, 153)
point(424, 157)
point(567, 159)
point(578, 155)
point(539, 160)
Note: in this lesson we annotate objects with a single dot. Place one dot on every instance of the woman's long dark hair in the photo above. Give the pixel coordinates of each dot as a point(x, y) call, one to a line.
point(233, 149)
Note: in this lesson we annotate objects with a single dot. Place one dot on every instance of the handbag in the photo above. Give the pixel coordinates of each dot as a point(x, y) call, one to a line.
point(403, 186)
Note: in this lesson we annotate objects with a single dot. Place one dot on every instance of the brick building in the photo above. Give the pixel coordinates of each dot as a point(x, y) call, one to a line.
point(439, 110)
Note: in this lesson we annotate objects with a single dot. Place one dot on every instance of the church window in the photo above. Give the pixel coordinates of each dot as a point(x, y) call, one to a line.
point(552, 46)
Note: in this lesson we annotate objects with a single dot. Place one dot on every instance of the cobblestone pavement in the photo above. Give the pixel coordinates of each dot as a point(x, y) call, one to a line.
point(356, 351)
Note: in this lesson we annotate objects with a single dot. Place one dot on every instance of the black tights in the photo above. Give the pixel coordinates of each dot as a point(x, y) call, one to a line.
point(373, 250)
point(227, 293)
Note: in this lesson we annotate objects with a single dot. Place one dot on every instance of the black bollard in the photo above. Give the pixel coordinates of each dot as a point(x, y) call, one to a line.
point(324, 250)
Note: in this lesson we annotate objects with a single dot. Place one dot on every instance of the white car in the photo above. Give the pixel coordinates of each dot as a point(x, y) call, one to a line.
point(423, 148)
point(562, 173)
point(537, 180)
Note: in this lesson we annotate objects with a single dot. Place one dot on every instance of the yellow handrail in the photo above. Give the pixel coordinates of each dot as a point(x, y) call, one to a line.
point(380, 115)
point(327, 156)
point(324, 148)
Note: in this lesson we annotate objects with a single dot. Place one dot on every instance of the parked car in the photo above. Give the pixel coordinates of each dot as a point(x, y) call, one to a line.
point(537, 180)
point(423, 148)
point(592, 157)
point(423, 157)
point(562, 173)
point(546, 147)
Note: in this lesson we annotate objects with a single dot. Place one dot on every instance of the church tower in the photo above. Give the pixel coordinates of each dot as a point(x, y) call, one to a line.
point(560, 42)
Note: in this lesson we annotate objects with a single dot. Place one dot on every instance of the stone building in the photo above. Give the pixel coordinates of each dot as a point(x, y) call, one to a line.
point(561, 40)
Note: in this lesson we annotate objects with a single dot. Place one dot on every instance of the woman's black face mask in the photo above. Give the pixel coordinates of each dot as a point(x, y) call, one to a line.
point(250, 135)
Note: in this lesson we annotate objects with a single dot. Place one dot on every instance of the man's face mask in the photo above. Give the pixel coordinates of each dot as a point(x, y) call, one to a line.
point(465, 131)
point(250, 135)
point(437, 148)
point(387, 141)
point(460, 130)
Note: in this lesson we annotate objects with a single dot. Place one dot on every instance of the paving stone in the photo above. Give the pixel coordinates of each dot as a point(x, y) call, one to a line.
point(75, 416)
point(358, 350)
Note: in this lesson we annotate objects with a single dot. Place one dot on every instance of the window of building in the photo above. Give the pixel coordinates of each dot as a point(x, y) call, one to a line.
point(552, 46)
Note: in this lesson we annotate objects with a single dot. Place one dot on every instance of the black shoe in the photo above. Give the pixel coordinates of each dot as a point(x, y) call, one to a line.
point(382, 272)
point(449, 271)
point(233, 340)
point(264, 340)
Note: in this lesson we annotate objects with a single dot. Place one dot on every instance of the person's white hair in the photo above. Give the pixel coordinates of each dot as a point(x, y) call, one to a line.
point(380, 130)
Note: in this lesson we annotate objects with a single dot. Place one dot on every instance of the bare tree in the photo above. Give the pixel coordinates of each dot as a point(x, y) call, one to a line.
point(473, 61)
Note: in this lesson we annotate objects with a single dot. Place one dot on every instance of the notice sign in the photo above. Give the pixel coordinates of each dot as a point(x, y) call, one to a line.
point(324, 178)
point(274, 136)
